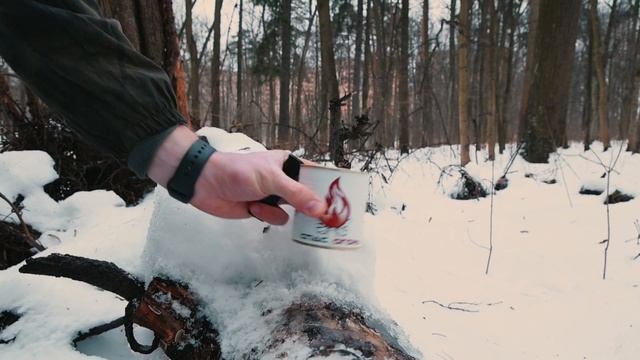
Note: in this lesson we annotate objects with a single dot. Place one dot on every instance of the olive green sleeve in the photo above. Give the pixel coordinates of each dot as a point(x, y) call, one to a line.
point(83, 67)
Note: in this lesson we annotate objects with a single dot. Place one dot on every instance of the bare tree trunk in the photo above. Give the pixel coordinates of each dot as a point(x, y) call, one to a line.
point(546, 108)
point(492, 79)
point(603, 122)
point(357, 62)
point(453, 105)
point(464, 33)
point(331, 82)
point(273, 119)
point(194, 64)
point(239, 71)
point(425, 83)
point(215, 67)
point(534, 14)
point(367, 59)
point(630, 97)
point(587, 110)
point(403, 91)
point(301, 71)
point(285, 72)
point(380, 72)
point(505, 70)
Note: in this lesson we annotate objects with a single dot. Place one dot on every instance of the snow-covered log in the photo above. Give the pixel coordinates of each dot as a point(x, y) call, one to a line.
point(172, 312)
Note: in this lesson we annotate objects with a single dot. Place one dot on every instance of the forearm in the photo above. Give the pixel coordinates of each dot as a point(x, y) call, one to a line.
point(83, 67)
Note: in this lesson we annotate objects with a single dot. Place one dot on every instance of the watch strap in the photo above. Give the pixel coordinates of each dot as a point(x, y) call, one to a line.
point(182, 184)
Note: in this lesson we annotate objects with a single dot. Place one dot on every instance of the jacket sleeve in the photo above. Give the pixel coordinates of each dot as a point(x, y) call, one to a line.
point(83, 67)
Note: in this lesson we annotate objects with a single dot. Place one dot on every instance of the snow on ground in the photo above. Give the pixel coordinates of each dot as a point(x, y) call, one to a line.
point(543, 297)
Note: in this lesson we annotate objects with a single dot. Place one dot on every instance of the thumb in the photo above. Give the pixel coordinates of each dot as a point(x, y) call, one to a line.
point(299, 196)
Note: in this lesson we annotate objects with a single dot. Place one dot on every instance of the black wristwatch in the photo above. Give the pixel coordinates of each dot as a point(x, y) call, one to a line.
point(182, 184)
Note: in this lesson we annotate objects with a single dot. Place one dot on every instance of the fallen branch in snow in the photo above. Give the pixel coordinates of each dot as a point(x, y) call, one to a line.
point(100, 329)
point(456, 305)
point(104, 275)
point(173, 313)
point(463, 306)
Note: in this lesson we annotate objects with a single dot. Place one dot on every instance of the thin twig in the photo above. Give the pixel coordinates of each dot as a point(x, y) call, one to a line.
point(25, 229)
point(491, 218)
point(606, 247)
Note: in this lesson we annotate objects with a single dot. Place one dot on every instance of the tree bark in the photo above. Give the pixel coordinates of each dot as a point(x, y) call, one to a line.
point(425, 83)
point(464, 33)
point(546, 108)
point(630, 97)
point(510, 27)
point(194, 64)
point(239, 68)
point(603, 122)
point(336, 148)
point(587, 109)
point(403, 91)
point(215, 67)
point(357, 61)
point(534, 14)
point(453, 81)
point(492, 79)
point(285, 72)
point(380, 72)
point(301, 72)
point(366, 73)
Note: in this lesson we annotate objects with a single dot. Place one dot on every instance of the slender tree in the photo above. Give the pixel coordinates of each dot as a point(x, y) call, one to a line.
point(215, 67)
point(194, 64)
point(239, 65)
point(285, 72)
point(357, 61)
point(603, 122)
point(425, 83)
point(464, 33)
point(453, 105)
point(491, 79)
point(534, 14)
point(366, 71)
point(330, 82)
point(403, 91)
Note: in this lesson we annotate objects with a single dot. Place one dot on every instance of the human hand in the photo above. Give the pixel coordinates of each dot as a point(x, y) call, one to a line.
point(231, 185)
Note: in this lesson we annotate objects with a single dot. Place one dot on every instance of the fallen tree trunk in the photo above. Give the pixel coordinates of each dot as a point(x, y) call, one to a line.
point(175, 315)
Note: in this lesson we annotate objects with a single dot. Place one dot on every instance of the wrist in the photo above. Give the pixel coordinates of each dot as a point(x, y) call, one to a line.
point(170, 154)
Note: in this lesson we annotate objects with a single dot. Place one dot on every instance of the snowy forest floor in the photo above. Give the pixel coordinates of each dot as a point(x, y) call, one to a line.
point(543, 296)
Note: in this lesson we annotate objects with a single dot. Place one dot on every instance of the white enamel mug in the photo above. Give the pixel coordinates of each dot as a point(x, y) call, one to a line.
point(346, 194)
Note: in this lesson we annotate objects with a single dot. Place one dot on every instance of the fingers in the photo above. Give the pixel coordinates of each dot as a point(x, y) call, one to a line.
point(298, 196)
point(270, 214)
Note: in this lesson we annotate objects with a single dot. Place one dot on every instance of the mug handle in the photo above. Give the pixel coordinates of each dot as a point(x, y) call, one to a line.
point(291, 167)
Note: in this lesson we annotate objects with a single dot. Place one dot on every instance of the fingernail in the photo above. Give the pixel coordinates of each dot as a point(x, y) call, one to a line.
point(314, 207)
point(254, 216)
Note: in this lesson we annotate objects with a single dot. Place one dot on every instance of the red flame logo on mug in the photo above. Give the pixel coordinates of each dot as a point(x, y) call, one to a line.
point(338, 208)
